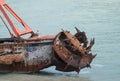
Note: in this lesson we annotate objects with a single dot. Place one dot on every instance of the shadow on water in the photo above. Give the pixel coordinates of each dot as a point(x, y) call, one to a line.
point(47, 74)
point(44, 76)
point(4, 73)
point(42, 73)
point(69, 76)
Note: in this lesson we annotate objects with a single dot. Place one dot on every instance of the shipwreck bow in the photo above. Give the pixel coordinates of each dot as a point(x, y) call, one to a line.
point(71, 52)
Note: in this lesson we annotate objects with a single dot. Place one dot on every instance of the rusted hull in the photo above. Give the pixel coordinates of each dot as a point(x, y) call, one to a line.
point(65, 51)
point(25, 56)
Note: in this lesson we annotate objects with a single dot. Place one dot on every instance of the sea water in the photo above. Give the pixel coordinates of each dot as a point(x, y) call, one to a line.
point(100, 19)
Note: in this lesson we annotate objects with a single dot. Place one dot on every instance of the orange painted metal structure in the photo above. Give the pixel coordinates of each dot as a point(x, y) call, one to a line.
point(16, 31)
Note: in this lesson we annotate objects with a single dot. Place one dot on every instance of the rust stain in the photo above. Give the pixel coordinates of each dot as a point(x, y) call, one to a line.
point(9, 59)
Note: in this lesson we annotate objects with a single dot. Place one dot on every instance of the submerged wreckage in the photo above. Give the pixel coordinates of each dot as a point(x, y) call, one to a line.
point(65, 51)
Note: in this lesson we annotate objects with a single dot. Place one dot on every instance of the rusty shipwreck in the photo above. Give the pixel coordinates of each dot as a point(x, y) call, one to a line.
point(66, 51)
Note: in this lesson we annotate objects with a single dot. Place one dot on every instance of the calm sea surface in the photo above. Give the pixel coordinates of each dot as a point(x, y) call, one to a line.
point(98, 18)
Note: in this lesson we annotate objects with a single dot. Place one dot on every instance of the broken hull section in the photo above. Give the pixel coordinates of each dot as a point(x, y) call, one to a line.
point(25, 56)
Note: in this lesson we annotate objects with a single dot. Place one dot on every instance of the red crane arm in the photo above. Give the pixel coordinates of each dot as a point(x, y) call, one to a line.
point(16, 31)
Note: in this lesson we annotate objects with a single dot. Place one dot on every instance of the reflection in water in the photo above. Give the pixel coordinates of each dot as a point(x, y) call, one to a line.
point(41, 76)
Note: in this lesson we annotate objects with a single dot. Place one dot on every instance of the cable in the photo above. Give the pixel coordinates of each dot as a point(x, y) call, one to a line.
point(6, 26)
